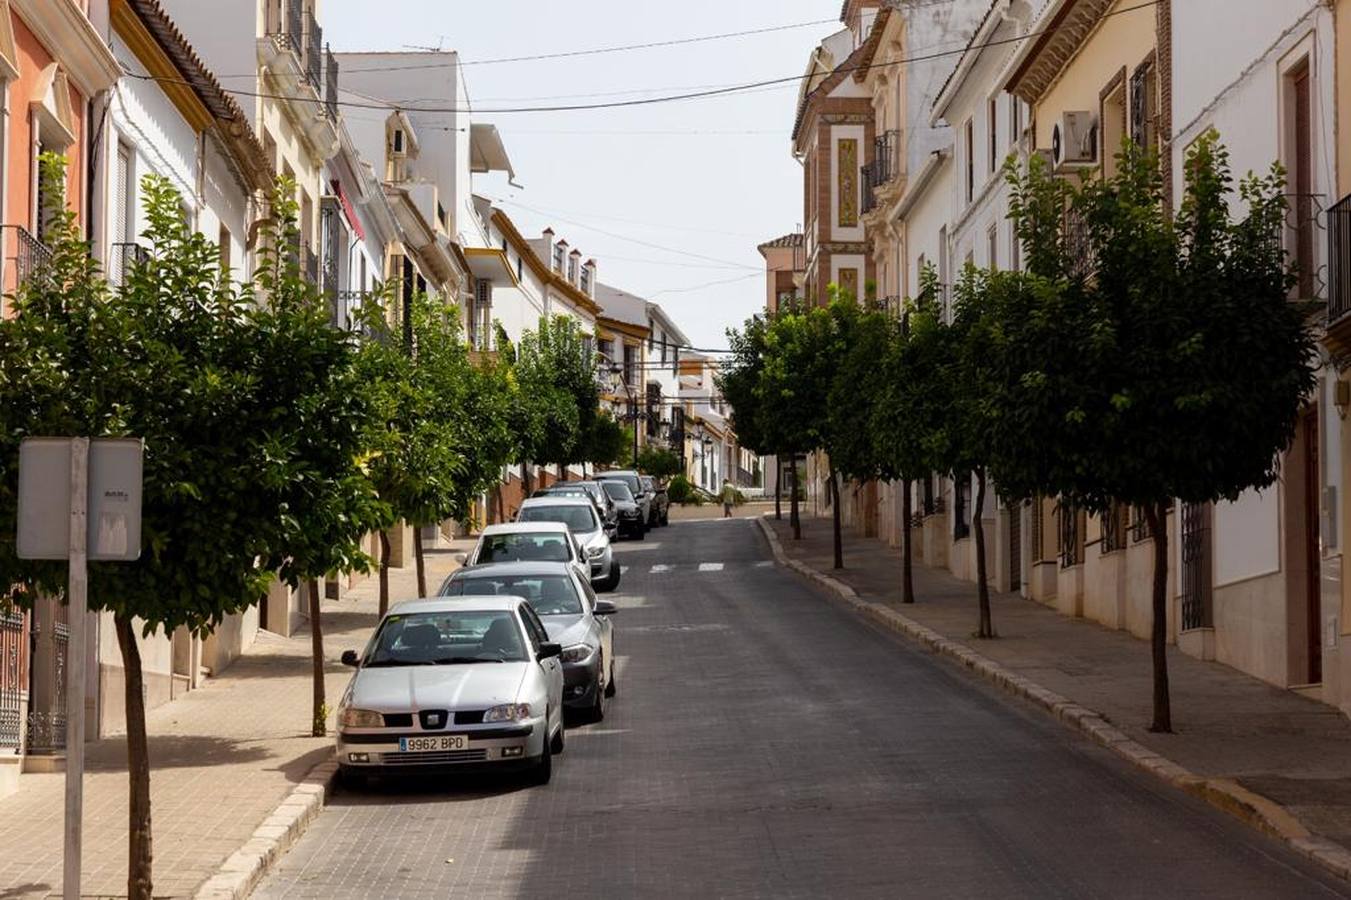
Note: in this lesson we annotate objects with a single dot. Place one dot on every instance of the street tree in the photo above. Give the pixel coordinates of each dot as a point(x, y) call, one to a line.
point(170, 358)
point(738, 380)
point(662, 462)
point(318, 440)
point(1187, 366)
point(557, 376)
point(908, 414)
point(863, 337)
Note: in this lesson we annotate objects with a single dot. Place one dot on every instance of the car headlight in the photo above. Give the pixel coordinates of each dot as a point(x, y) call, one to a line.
point(508, 712)
point(351, 717)
point(594, 552)
point(577, 653)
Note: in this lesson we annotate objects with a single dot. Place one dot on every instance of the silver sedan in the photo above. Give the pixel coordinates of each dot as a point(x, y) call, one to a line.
point(448, 683)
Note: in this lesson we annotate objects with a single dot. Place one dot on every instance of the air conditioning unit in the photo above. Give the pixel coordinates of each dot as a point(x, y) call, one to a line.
point(1074, 139)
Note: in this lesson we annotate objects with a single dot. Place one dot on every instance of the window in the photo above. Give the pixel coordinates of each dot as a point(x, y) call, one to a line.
point(630, 364)
point(992, 120)
point(1144, 105)
point(1112, 121)
point(606, 348)
point(970, 148)
point(992, 237)
point(223, 242)
point(429, 637)
point(572, 270)
point(398, 140)
point(1015, 119)
point(481, 319)
point(1298, 159)
point(548, 595)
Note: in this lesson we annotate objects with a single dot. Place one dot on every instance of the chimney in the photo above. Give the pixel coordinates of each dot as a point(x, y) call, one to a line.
point(589, 280)
point(574, 263)
point(560, 254)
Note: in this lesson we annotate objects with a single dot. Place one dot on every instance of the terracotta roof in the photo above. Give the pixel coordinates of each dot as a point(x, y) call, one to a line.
point(231, 119)
point(787, 240)
point(870, 46)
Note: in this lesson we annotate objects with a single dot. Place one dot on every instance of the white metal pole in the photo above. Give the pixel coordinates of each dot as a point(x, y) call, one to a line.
point(77, 612)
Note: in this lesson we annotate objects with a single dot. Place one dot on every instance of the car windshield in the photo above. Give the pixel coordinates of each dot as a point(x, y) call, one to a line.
point(629, 481)
point(550, 595)
point(648, 483)
point(447, 638)
point(579, 518)
point(550, 546)
point(618, 490)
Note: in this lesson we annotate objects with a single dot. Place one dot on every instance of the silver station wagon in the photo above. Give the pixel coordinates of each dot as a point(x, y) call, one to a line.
point(450, 683)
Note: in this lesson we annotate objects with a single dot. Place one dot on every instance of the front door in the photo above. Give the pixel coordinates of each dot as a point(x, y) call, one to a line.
point(1312, 588)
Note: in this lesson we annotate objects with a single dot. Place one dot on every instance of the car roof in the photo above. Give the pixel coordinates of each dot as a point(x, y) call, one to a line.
point(489, 603)
point(521, 567)
point(524, 528)
point(556, 501)
point(617, 472)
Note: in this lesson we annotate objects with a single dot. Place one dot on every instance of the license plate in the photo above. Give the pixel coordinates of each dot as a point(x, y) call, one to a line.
point(433, 744)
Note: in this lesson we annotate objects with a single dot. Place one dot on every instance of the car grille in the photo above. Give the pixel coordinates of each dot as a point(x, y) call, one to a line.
point(470, 717)
point(398, 720)
point(441, 756)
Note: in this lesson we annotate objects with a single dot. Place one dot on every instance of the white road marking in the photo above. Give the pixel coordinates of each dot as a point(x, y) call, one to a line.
point(659, 569)
point(764, 564)
point(623, 569)
point(710, 567)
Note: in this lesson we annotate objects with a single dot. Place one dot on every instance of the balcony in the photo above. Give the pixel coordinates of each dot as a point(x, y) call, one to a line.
point(1338, 336)
point(882, 176)
point(122, 260)
point(303, 71)
point(23, 258)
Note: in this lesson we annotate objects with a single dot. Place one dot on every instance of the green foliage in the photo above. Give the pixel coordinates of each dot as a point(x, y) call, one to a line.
point(739, 380)
point(801, 351)
point(1181, 366)
point(556, 424)
point(682, 491)
point(608, 442)
point(865, 338)
point(659, 462)
point(910, 408)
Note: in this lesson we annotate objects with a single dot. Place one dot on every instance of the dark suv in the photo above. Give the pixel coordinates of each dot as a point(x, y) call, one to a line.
point(660, 513)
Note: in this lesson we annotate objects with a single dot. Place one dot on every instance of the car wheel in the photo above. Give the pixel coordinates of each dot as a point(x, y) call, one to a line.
point(666, 517)
point(556, 745)
point(597, 711)
point(544, 769)
point(612, 582)
point(640, 533)
point(610, 684)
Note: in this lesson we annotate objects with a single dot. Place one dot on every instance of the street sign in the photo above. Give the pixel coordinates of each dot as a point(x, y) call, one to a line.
point(79, 499)
point(113, 498)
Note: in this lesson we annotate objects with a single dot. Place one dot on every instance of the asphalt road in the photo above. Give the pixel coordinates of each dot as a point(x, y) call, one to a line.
point(767, 743)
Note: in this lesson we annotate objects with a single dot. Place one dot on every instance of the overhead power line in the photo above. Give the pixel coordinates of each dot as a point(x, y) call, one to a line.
point(667, 98)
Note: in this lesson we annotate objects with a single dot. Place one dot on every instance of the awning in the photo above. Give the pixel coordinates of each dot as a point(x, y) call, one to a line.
point(486, 151)
point(490, 264)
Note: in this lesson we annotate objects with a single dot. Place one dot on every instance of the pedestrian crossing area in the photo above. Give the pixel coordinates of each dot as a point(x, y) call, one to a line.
point(688, 568)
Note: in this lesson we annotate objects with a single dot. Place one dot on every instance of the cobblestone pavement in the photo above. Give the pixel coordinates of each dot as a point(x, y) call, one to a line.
point(767, 744)
point(222, 757)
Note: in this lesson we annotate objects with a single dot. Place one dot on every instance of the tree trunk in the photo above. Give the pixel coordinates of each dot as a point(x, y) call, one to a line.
point(525, 477)
point(384, 572)
point(907, 565)
point(982, 586)
point(1156, 515)
point(138, 765)
point(835, 503)
point(319, 717)
point(417, 558)
point(778, 490)
point(793, 518)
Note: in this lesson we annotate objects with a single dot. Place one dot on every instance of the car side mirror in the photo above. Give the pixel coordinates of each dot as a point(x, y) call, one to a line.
point(549, 651)
point(350, 658)
point(462, 558)
point(606, 608)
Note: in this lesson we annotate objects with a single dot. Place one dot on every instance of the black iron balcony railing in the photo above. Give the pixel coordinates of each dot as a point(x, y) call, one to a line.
point(1076, 244)
point(884, 169)
point(330, 85)
point(123, 259)
point(1070, 536)
point(24, 257)
point(314, 52)
point(1114, 527)
point(1303, 221)
point(1339, 259)
point(309, 265)
point(286, 24)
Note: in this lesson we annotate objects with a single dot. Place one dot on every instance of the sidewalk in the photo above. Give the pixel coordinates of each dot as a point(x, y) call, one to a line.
point(1229, 727)
point(222, 758)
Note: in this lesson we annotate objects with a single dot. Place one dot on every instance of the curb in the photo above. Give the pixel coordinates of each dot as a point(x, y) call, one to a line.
point(242, 870)
point(1255, 810)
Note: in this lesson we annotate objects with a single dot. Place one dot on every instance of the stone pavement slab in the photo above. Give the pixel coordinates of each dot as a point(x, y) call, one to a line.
point(222, 758)
point(1230, 727)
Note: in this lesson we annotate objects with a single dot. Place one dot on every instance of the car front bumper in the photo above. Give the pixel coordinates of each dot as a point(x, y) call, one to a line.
point(507, 744)
point(580, 682)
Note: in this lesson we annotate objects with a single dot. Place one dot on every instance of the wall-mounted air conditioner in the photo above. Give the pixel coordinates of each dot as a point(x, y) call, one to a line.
point(1074, 139)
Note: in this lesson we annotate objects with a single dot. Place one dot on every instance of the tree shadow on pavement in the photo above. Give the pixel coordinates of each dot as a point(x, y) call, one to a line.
point(175, 751)
point(32, 889)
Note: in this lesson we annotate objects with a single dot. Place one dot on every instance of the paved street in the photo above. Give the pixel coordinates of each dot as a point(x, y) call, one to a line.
point(765, 742)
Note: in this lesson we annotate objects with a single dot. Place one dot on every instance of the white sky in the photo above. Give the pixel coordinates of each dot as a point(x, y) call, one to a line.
point(686, 175)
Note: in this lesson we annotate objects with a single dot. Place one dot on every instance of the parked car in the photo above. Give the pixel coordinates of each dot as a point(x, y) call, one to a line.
point(422, 696)
point(631, 519)
point(529, 541)
point(661, 503)
point(592, 491)
point(581, 518)
point(631, 480)
point(572, 616)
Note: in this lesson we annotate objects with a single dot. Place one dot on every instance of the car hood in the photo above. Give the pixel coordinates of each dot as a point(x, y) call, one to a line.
point(623, 505)
point(410, 688)
point(566, 630)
